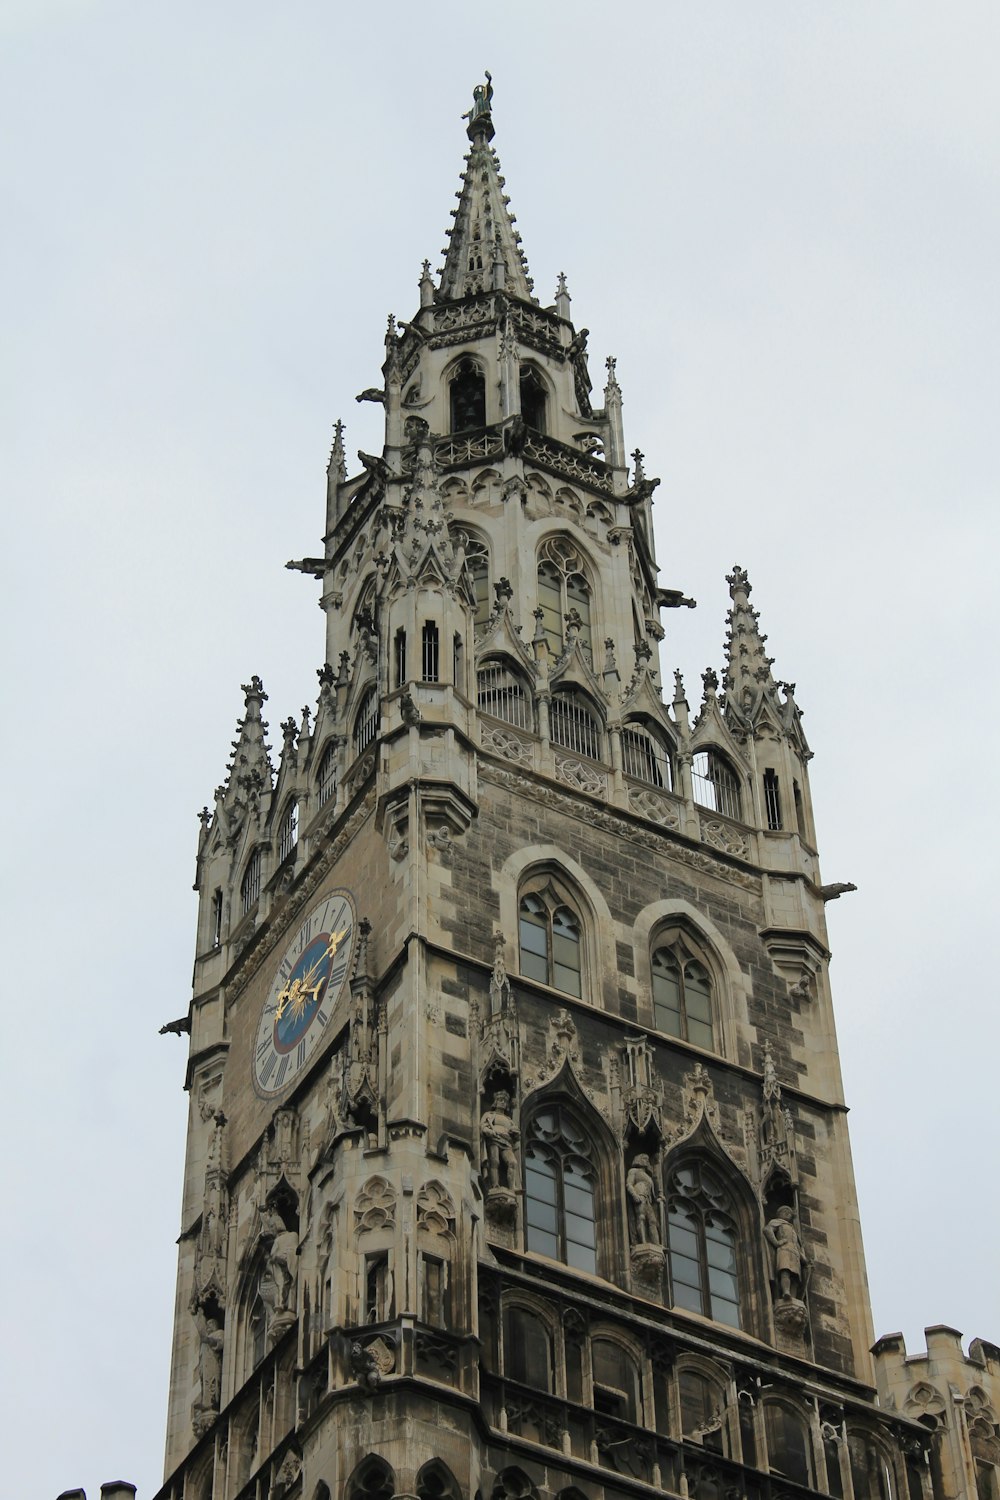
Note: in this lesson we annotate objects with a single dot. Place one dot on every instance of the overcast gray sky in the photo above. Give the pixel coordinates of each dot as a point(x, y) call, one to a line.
point(783, 219)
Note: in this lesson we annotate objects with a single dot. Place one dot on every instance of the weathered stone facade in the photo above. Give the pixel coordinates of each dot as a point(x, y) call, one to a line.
point(517, 1159)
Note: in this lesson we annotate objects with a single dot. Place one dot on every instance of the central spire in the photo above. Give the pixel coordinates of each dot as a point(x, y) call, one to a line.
point(484, 249)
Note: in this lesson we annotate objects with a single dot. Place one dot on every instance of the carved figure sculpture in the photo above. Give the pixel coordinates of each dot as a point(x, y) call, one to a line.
point(500, 1136)
point(281, 1256)
point(482, 98)
point(787, 1255)
point(209, 1360)
point(643, 1213)
point(364, 1367)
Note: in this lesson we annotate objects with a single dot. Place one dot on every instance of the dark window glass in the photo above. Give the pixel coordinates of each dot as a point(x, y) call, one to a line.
point(559, 1190)
point(715, 784)
point(527, 1349)
point(772, 800)
point(701, 1239)
point(616, 1381)
point(645, 759)
point(682, 994)
point(532, 400)
point(468, 398)
point(701, 1407)
point(550, 943)
point(400, 656)
point(787, 1443)
point(430, 652)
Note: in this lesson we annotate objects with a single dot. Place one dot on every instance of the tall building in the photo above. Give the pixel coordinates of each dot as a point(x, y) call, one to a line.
point(517, 1158)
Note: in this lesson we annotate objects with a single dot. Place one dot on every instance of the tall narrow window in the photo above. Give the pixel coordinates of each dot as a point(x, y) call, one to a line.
point(501, 693)
point(562, 586)
point(477, 561)
point(716, 784)
point(250, 888)
point(430, 653)
point(532, 399)
point(772, 799)
point(702, 1405)
point(289, 835)
point(800, 816)
point(550, 942)
point(468, 397)
point(217, 919)
point(366, 720)
point(377, 1287)
point(559, 1190)
point(787, 1443)
point(326, 781)
point(457, 666)
point(869, 1470)
point(574, 725)
point(434, 1289)
point(645, 758)
point(527, 1349)
point(399, 656)
point(617, 1391)
point(682, 992)
point(702, 1244)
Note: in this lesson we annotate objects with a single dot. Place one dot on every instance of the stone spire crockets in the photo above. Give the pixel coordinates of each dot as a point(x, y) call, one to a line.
point(748, 667)
point(484, 248)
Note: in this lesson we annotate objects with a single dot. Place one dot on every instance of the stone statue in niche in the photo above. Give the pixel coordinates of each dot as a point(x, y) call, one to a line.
point(500, 1136)
point(643, 1199)
point(282, 1251)
point(643, 1203)
point(210, 1336)
point(789, 1269)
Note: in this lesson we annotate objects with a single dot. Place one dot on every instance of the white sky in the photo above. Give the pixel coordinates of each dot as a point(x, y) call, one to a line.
point(783, 219)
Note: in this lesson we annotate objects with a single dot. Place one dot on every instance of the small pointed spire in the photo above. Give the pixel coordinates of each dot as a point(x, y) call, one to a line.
point(484, 248)
point(337, 467)
point(563, 298)
point(426, 285)
point(748, 667)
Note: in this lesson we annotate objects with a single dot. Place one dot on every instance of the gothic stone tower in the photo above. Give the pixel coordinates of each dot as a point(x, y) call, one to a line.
point(517, 1162)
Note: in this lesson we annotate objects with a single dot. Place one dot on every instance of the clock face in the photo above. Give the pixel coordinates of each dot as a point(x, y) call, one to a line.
point(305, 990)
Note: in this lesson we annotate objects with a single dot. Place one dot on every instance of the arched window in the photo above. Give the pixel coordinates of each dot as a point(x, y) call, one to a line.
point(574, 725)
point(467, 392)
point(616, 1382)
point(702, 1407)
point(257, 1324)
point(549, 933)
point(562, 586)
point(250, 886)
point(326, 779)
point(772, 799)
point(430, 652)
point(682, 991)
point(715, 784)
point(503, 693)
point(366, 720)
point(372, 1480)
point(559, 1178)
point(477, 560)
point(870, 1471)
point(532, 399)
point(701, 1240)
point(289, 835)
point(527, 1348)
point(645, 757)
point(436, 1482)
point(787, 1438)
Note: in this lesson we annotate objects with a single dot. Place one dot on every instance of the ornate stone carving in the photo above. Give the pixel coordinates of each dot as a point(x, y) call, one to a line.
point(435, 1210)
point(361, 1099)
point(375, 1206)
point(369, 1362)
point(510, 746)
point(498, 1026)
point(722, 836)
point(777, 1133)
point(287, 1475)
point(577, 774)
point(641, 1092)
point(644, 1199)
point(500, 1136)
point(281, 1247)
point(654, 807)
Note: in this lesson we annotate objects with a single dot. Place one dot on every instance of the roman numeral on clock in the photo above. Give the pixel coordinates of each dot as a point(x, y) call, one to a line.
point(268, 1067)
point(300, 1053)
point(281, 1072)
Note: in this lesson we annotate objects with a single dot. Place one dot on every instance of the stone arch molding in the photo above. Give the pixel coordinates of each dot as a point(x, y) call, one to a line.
point(732, 984)
point(600, 929)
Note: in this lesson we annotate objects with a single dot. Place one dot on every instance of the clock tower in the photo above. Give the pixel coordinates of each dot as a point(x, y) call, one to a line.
point(517, 1154)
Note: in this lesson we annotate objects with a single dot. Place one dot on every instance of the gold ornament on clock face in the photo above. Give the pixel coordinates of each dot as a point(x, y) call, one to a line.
point(301, 1000)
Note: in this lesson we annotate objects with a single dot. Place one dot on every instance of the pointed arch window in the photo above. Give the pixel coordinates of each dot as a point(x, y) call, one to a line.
point(550, 941)
point(289, 835)
point(503, 694)
point(701, 1243)
point(250, 886)
point(372, 1480)
point(532, 398)
point(645, 757)
point(366, 720)
point(563, 585)
point(682, 991)
point(574, 725)
point(326, 779)
point(477, 560)
point(715, 784)
point(870, 1471)
point(787, 1438)
point(467, 396)
point(559, 1183)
